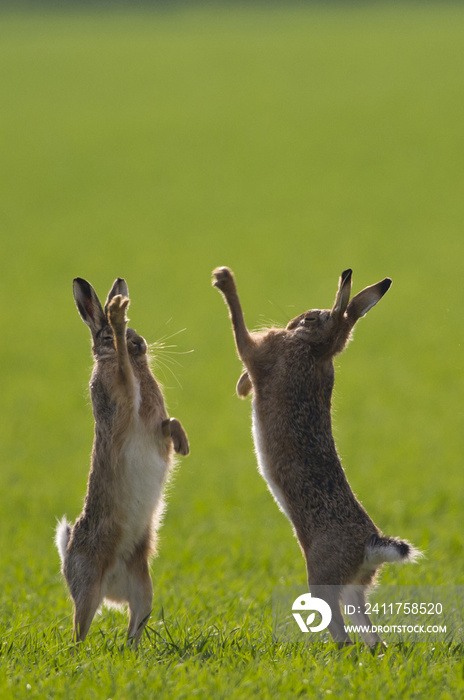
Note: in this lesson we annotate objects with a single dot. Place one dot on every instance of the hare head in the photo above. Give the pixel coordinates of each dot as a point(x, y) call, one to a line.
point(96, 317)
point(328, 331)
point(309, 340)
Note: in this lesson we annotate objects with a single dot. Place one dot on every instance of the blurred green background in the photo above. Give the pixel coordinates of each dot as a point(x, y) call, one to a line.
point(288, 141)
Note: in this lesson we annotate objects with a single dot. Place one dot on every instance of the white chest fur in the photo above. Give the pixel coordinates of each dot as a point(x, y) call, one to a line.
point(143, 475)
point(263, 464)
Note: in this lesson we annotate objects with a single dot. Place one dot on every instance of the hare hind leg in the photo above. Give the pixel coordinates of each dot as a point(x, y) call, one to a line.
point(321, 569)
point(86, 605)
point(140, 597)
point(84, 579)
point(354, 598)
point(331, 595)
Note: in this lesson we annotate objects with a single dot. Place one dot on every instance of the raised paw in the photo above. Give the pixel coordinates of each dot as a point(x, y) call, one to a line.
point(117, 310)
point(223, 279)
point(172, 428)
point(244, 385)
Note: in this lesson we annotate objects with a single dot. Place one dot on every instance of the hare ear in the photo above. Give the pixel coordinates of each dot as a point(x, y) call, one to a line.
point(88, 304)
point(119, 287)
point(364, 301)
point(343, 294)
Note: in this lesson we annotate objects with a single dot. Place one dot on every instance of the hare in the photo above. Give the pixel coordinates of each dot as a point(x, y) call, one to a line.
point(106, 554)
point(290, 373)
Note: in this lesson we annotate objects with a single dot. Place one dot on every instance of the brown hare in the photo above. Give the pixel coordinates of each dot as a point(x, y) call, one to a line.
point(106, 554)
point(290, 373)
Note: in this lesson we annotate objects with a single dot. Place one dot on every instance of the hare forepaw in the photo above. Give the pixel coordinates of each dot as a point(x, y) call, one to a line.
point(117, 310)
point(173, 428)
point(244, 385)
point(223, 279)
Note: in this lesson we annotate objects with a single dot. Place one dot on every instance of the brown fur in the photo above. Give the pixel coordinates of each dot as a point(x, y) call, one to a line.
point(290, 373)
point(106, 553)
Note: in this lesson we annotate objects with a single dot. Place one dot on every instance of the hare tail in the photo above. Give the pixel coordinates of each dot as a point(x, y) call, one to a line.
point(390, 549)
point(63, 531)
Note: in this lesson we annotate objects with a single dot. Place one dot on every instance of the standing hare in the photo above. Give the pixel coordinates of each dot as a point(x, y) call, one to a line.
point(105, 555)
point(291, 375)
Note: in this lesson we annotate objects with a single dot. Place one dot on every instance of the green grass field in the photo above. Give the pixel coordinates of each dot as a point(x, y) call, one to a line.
point(288, 143)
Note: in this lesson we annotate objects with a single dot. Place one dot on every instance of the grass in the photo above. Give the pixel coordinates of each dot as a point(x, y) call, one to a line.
point(288, 142)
